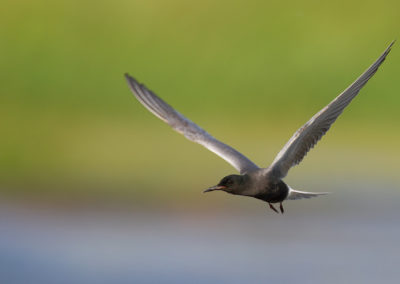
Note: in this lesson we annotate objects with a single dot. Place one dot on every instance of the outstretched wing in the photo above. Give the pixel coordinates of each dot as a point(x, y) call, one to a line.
point(310, 133)
point(188, 128)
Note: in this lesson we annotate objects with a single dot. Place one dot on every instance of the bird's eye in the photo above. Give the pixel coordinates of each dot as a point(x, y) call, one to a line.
point(227, 182)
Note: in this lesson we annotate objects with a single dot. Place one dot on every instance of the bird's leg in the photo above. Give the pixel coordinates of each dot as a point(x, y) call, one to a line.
point(273, 208)
point(281, 207)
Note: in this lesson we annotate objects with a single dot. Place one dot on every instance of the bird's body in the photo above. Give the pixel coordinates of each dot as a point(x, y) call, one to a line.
point(261, 186)
point(262, 183)
point(272, 192)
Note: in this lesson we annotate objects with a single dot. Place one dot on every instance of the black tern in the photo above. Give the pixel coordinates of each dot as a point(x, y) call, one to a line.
point(261, 183)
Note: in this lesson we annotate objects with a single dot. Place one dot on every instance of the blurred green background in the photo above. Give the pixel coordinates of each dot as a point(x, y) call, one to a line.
point(250, 72)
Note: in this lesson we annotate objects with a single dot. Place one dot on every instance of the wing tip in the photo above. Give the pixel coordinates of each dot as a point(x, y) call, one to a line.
point(388, 49)
point(130, 79)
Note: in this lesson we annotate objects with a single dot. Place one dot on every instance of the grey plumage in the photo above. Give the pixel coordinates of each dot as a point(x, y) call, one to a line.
point(264, 183)
point(297, 194)
point(310, 133)
point(188, 128)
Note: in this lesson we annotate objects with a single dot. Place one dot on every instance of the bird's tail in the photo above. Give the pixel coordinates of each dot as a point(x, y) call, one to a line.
point(297, 194)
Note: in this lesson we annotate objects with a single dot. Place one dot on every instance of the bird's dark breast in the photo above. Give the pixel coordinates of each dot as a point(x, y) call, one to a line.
point(274, 192)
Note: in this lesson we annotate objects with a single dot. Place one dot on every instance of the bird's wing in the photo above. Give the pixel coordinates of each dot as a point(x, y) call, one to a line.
point(310, 133)
point(188, 128)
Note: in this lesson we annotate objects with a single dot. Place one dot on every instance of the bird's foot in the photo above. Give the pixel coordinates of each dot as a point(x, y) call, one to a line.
point(273, 208)
point(281, 207)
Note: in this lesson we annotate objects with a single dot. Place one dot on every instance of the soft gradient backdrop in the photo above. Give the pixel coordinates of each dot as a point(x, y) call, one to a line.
point(88, 174)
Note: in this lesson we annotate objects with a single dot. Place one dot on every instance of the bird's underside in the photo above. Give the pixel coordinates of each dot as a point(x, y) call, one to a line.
point(305, 138)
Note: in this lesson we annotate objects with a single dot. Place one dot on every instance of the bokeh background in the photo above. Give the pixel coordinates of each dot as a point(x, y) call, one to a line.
point(95, 189)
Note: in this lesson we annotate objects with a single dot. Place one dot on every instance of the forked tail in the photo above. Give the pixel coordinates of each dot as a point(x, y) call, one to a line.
point(297, 194)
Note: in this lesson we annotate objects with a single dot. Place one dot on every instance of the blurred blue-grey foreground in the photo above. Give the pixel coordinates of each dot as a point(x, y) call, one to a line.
point(345, 238)
point(94, 189)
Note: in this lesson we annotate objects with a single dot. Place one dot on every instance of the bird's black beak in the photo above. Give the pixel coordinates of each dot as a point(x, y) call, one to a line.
point(215, 187)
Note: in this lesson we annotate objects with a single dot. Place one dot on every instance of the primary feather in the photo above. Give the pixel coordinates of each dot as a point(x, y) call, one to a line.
point(188, 128)
point(310, 133)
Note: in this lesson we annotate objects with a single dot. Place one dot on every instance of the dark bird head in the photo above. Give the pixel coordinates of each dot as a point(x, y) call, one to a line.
point(233, 184)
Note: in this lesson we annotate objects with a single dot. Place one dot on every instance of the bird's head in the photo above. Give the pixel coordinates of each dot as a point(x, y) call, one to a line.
point(233, 184)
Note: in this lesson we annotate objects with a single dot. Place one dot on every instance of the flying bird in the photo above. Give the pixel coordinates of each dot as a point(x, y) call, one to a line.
point(261, 183)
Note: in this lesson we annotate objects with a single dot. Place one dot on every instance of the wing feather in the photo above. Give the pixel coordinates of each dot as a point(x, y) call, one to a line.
point(188, 128)
point(309, 134)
